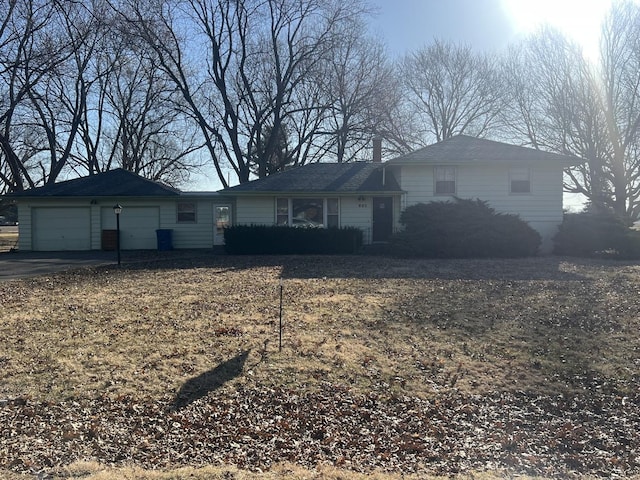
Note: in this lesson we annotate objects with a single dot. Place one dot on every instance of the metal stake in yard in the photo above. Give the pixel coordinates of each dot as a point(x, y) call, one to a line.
point(280, 328)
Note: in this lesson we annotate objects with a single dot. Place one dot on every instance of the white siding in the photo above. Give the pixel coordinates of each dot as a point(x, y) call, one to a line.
point(24, 232)
point(542, 208)
point(356, 212)
point(255, 211)
point(189, 235)
point(96, 226)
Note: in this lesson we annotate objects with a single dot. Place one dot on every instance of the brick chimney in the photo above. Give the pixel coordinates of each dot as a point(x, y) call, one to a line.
point(377, 149)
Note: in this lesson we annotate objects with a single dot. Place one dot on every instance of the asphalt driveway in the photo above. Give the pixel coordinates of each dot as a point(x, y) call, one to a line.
point(31, 264)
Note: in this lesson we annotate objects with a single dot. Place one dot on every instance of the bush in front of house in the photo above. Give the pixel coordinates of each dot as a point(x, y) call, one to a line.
point(589, 234)
point(269, 240)
point(463, 229)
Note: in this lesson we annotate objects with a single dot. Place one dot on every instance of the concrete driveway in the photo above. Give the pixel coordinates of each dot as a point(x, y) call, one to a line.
point(31, 264)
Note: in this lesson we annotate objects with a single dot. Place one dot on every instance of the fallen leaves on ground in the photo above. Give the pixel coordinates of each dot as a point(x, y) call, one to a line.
point(592, 434)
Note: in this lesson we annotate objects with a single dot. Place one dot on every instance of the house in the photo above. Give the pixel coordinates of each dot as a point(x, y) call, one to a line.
point(359, 194)
point(371, 196)
point(75, 215)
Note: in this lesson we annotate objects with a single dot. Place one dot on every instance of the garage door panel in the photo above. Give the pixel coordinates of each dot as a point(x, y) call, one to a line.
point(63, 228)
point(138, 226)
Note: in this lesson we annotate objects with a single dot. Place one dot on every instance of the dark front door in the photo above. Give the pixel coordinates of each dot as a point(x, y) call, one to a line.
point(382, 218)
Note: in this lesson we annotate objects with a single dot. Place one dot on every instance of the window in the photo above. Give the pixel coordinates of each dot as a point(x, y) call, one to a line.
point(186, 212)
point(307, 212)
point(332, 212)
point(519, 180)
point(282, 211)
point(445, 180)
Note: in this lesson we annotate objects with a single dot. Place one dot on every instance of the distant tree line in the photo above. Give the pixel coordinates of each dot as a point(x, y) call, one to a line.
point(164, 88)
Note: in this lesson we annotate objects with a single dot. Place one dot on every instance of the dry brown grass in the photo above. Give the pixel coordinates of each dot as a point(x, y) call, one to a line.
point(410, 327)
point(8, 239)
point(396, 327)
point(283, 471)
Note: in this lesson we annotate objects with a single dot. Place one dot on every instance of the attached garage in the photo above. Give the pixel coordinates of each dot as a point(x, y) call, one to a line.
point(138, 226)
point(79, 214)
point(63, 228)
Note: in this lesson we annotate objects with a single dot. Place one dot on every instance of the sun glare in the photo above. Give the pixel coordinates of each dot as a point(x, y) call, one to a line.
point(580, 20)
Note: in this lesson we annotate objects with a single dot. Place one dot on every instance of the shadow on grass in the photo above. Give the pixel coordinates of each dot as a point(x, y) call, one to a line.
point(370, 267)
point(198, 387)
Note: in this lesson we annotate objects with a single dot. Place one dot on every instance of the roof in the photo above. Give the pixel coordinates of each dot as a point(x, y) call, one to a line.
point(113, 183)
point(357, 177)
point(464, 149)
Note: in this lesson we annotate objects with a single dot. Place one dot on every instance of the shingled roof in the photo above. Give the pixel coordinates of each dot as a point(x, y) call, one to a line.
point(357, 177)
point(464, 149)
point(113, 183)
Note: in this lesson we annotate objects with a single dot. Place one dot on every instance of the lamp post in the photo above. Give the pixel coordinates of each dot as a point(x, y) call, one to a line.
point(117, 209)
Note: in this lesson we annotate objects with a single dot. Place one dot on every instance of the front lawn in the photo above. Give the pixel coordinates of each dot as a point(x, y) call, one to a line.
point(392, 366)
point(8, 238)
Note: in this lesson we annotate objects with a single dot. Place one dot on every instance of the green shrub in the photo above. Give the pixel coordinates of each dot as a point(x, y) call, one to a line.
point(463, 229)
point(594, 235)
point(263, 239)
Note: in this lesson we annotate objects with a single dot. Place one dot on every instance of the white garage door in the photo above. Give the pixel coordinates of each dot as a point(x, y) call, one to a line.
point(138, 226)
point(64, 228)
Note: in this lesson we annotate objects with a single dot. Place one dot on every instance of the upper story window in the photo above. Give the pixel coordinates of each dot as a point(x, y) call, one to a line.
point(445, 180)
point(186, 212)
point(519, 180)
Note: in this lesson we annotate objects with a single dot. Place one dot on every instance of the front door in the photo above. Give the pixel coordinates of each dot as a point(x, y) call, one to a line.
point(382, 218)
point(221, 220)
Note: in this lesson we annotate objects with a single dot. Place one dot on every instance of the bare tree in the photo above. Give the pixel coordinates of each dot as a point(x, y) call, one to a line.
point(620, 97)
point(75, 98)
point(146, 131)
point(560, 102)
point(261, 58)
point(552, 104)
point(360, 86)
point(28, 51)
point(451, 91)
point(58, 102)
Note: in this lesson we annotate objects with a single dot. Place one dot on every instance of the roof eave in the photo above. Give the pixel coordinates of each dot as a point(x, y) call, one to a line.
point(434, 163)
point(312, 192)
point(18, 196)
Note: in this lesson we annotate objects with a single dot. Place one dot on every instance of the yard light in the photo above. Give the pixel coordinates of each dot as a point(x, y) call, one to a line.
point(117, 209)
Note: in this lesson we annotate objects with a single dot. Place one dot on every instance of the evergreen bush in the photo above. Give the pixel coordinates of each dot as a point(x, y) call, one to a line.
point(463, 229)
point(590, 234)
point(264, 239)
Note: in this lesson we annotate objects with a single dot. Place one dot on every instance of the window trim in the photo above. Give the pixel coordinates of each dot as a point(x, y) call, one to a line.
point(444, 168)
point(325, 209)
point(194, 212)
point(514, 171)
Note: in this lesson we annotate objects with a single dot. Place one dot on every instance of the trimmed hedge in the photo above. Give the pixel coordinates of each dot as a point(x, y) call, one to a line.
point(263, 239)
point(463, 229)
point(596, 235)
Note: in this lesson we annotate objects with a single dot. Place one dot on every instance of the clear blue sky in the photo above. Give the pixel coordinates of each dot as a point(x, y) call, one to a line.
point(488, 25)
point(410, 24)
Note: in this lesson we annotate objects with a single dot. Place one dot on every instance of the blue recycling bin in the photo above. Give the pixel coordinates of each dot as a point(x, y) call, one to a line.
point(165, 239)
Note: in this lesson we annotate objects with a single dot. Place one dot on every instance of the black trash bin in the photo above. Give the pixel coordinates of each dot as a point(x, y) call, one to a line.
point(165, 240)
